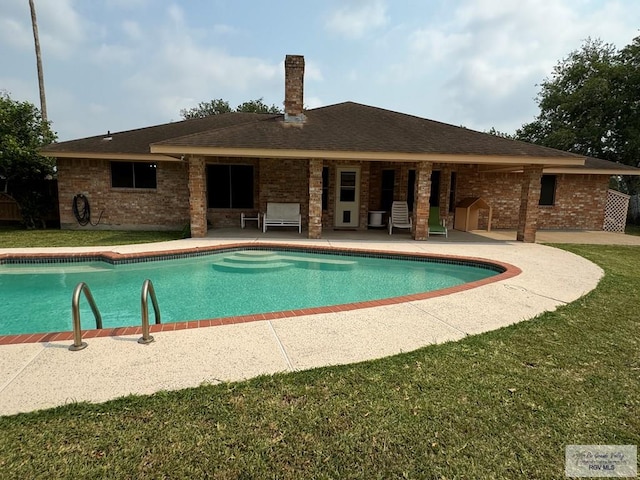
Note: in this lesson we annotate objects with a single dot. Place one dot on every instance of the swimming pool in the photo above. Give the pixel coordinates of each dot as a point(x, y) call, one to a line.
point(231, 282)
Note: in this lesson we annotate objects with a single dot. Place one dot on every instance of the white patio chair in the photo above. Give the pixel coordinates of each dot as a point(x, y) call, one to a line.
point(399, 217)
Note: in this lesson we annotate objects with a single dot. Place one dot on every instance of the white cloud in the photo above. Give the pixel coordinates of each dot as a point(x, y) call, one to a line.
point(127, 4)
point(183, 74)
point(358, 17)
point(176, 14)
point(62, 30)
point(113, 56)
point(486, 58)
point(221, 29)
point(132, 30)
point(97, 109)
point(118, 64)
point(16, 33)
point(438, 45)
point(312, 71)
point(313, 102)
point(19, 89)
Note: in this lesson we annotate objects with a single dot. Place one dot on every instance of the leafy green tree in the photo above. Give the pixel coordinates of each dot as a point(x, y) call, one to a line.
point(498, 133)
point(217, 106)
point(220, 106)
point(591, 106)
point(577, 110)
point(258, 106)
point(626, 134)
point(22, 168)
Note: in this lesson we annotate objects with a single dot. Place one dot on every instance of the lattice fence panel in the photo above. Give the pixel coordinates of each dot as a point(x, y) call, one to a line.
point(615, 214)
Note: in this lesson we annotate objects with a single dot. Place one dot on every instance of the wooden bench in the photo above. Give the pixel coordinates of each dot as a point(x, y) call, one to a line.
point(282, 215)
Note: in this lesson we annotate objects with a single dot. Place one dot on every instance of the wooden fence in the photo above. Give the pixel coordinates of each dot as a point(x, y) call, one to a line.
point(9, 210)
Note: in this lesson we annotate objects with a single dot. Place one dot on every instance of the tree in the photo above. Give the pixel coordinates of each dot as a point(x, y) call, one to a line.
point(626, 137)
point(258, 106)
point(591, 106)
point(22, 169)
point(498, 133)
point(576, 107)
point(36, 41)
point(219, 106)
point(205, 109)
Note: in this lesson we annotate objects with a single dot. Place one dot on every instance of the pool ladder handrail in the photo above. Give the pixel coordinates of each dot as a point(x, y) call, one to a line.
point(148, 291)
point(82, 287)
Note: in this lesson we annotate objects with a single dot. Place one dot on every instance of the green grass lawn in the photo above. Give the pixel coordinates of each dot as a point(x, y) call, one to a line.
point(13, 237)
point(503, 404)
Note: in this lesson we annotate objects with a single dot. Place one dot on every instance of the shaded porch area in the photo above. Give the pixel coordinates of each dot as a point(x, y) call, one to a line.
point(376, 237)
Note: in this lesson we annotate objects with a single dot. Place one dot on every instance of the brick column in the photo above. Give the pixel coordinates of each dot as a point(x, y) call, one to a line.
point(315, 198)
point(197, 197)
point(421, 202)
point(529, 198)
point(365, 173)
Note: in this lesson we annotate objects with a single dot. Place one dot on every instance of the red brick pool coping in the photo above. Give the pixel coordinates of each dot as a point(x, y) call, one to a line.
point(509, 272)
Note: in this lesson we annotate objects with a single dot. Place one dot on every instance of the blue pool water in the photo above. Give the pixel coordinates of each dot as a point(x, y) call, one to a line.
point(37, 297)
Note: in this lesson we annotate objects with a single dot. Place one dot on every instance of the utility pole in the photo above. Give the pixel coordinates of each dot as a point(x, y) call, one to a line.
point(36, 39)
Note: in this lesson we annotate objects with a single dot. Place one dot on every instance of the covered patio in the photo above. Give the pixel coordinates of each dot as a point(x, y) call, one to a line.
point(381, 236)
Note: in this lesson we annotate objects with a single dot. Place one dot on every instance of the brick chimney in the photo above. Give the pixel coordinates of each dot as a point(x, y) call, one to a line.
point(293, 89)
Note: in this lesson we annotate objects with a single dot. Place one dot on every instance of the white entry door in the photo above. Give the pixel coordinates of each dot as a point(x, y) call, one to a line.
point(347, 197)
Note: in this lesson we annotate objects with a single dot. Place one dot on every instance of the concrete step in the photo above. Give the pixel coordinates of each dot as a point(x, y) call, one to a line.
point(250, 267)
point(260, 261)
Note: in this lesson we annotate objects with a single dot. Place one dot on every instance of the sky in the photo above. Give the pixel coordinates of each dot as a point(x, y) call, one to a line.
point(113, 65)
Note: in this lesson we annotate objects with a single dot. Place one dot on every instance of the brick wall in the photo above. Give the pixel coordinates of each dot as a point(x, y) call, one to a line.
point(164, 208)
point(579, 204)
point(579, 201)
point(285, 181)
point(500, 190)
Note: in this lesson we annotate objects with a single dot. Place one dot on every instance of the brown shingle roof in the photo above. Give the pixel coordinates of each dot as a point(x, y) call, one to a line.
point(344, 127)
point(352, 127)
point(599, 164)
point(137, 141)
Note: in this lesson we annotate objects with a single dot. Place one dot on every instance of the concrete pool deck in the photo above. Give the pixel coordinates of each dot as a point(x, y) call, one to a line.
point(42, 375)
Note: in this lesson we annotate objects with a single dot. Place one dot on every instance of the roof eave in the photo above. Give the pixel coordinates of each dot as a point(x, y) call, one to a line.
point(367, 156)
point(592, 171)
point(141, 157)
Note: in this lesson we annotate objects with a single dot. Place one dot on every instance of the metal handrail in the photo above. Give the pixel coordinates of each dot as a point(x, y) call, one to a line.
point(78, 344)
point(147, 290)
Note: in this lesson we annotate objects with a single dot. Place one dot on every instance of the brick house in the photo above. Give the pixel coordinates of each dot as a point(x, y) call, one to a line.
point(338, 162)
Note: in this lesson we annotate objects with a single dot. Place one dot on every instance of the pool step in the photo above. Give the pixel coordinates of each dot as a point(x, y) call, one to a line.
point(248, 261)
point(254, 253)
point(253, 260)
point(250, 267)
point(321, 263)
